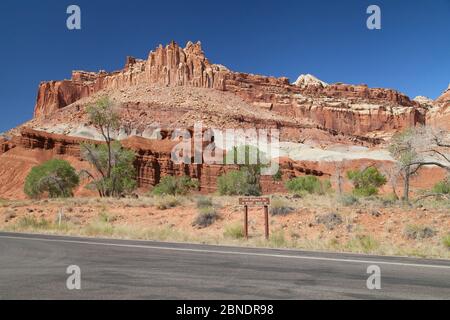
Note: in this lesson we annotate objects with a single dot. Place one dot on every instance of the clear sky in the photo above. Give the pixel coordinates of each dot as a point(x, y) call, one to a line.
point(411, 53)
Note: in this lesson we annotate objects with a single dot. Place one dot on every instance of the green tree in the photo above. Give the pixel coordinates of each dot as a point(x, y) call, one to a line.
point(55, 177)
point(366, 182)
point(245, 181)
point(115, 173)
point(105, 117)
point(114, 180)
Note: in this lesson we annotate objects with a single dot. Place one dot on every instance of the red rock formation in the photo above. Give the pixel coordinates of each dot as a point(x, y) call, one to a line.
point(335, 107)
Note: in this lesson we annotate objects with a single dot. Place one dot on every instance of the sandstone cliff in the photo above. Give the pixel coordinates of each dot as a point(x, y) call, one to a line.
point(347, 109)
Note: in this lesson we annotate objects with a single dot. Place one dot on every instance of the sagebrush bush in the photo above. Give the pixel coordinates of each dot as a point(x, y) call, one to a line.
point(366, 182)
point(415, 232)
point(308, 184)
point(55, 177)
point(174, 186)
point(206, 217)
point(348, 200)
point(279, 206)
point(203, 202)
point(442, 187)
point(167, 202)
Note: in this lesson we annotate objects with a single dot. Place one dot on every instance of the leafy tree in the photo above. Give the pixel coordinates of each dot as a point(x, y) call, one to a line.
point(114, 180)
point(105, 118)
point(245, 181)
point(114, 165)
point(366, 182)
point(55, 177)
point(308, 184)
point(170, 185)
point(238, 182)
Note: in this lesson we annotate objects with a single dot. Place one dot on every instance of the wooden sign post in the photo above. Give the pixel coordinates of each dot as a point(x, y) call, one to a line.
point(255, 202)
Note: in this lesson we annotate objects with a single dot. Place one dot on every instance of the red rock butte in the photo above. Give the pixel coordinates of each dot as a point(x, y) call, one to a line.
point(348, 109)
point(177, 86)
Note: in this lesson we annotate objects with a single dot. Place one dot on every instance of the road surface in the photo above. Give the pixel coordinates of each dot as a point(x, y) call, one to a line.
point(34, 267)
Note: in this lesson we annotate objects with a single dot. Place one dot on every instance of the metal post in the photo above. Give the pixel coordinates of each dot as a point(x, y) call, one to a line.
point(266, 217)
point(246, 222)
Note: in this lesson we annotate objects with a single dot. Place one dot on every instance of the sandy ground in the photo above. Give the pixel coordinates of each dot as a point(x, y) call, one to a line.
point(370, 226)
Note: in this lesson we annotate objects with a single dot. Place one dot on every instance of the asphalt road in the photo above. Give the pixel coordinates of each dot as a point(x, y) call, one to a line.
point(34, 267)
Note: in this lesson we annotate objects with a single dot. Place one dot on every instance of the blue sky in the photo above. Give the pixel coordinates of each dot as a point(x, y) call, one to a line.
point(411, 53)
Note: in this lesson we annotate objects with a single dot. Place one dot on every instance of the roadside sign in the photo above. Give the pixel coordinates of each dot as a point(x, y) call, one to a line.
point(254, 201)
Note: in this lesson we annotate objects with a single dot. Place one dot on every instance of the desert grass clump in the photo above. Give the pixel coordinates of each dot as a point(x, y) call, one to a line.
point(348, 200)
point(442, 187)
point(234, 231)
point(280, 206)
point(204, 202)
point(206, 217)
point(277, 239)
point(31, 222)
point(167, 202)
point(416, 232)
point(363, 243)
point(330, 220)
point(446, 241)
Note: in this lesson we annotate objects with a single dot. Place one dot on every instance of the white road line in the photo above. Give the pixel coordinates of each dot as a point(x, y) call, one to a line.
point(232, 252)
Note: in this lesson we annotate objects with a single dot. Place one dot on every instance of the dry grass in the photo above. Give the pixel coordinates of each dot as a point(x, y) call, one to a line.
point(371, 226)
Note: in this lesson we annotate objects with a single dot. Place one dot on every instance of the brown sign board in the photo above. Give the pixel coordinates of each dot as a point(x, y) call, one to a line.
point(254, 201)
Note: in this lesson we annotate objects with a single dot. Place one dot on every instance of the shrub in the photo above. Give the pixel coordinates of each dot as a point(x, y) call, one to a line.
point(308, 184)
point(367, 181)
point(234, 231)
point(203, 202)
point(174, 186)
point(446, 241)
point(364, 243)
point(167, 202)
point(330, 220)
point(348, 200)
point(206, 217)
point(240, 182)
point(415, 232)
point(279, 206)
point(278, 176)
point(115, 174)
point(55, 177)
point(30, 222)
point(442, 187)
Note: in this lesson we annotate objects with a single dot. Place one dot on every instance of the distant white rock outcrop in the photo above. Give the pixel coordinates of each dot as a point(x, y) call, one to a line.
point(424, 100)
point(305, 80)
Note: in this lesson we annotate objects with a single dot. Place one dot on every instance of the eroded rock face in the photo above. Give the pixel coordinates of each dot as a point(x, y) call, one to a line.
point(153, 159)
point(347, 109)
point(439, 116)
